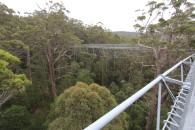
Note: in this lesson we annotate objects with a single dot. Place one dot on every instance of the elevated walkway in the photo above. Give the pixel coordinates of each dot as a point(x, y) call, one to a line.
point(179, 116)
point(118, 46)
point(116, 50)
point(188, 118)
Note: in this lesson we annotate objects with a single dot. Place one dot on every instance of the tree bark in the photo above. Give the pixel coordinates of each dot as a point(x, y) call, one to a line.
point(28, 65)
point(51, 71)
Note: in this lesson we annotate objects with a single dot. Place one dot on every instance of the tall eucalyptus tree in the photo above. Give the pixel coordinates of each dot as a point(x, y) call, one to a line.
point(53, 38)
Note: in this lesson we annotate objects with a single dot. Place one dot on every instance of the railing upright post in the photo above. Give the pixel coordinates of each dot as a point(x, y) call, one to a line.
point(159, 106)
point(182, 72)
point(190, 61)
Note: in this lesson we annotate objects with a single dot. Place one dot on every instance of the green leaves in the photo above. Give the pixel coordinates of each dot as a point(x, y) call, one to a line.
point(15, 118)
point(10, 26)
point(10, 83)
point(174, 30)
point(14, 44)
point(7, 57)
point(141, 18)
point(81, 105)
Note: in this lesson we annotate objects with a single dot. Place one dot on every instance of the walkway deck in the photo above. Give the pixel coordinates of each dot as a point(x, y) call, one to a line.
point(188, 118)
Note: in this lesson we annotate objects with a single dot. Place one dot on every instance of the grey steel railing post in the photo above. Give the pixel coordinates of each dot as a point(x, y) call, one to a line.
point(190, 60)
point(182, 72)
point(159, 106)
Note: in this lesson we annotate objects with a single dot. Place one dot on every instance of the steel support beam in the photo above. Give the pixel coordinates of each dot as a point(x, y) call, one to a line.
point(175, 81)
point(159, 106)
point(182, 72)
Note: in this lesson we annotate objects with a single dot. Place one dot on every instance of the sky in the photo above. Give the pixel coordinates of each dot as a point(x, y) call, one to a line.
point(116, 15)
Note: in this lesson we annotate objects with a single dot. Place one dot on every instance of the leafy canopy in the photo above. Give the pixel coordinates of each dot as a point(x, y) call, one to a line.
point(10, 83)
point(82, 104)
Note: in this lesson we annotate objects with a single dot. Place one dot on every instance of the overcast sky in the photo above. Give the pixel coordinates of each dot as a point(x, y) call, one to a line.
point(116, 15)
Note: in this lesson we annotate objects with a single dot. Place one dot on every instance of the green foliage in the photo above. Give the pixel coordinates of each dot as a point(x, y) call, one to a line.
point(100, 71)
point(76, 72)
point(148, 74)
point(137, 115)
point(137, 112)
point(36, 122)
point(84, 76)
point(15, 118)
point(9, 80)
point(34, 96)
point(137, 77)
point(177, 30)
point(98, 34)
point(126, 90)
point(77, 107)
point(74, 67)
point(65, 82)
point(7, 57)
point(114, 88)
point(10, 83)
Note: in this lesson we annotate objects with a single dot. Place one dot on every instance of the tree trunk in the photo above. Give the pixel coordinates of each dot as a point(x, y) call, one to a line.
point(51, 72)
point(52, 79)
point(28, 65)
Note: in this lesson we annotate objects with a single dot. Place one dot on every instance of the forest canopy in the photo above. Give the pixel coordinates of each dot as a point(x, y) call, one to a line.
point(49, 81)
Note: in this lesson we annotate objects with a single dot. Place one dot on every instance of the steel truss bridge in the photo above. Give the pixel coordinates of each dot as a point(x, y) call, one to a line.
point(182, 113)
point(115, 50)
